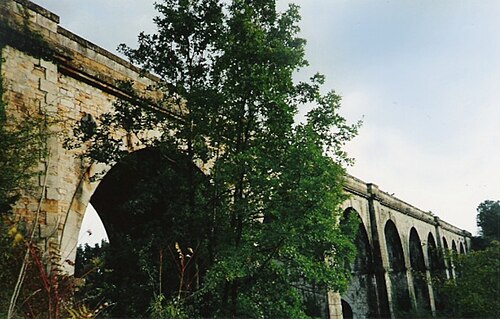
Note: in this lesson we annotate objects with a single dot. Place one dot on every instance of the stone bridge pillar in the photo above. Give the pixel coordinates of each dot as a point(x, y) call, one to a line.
point(380, 255)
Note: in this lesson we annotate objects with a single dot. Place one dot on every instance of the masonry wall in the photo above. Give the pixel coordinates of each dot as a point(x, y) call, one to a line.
point(395, 279)
point(77, 79)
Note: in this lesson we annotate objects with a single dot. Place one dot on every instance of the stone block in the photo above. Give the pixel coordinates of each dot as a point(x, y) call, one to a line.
point(50, 228)
point(46, 23)
point(52, 193)
point(47, 86)
point(69, 103)
point(51, 99)
point(49, 66)
point(51, 76)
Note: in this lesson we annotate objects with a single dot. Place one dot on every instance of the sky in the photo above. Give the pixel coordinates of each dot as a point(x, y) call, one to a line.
point(424, 76)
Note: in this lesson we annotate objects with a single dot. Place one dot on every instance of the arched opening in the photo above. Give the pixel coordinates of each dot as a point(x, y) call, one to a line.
point(362, 287)
point(419, 273)
point(346, 310)
point(462, 249)
point(454, 247)
point(144, 202)
point(397, 269)
point(445, 244)
point(436, 268)
point(363, 262)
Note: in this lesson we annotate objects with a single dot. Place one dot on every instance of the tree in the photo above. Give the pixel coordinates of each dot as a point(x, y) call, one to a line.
point(488, 219)
point(475, 292)
point(271, 210)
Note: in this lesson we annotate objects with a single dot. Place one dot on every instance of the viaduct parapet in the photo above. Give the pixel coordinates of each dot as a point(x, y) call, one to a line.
point(49, 71)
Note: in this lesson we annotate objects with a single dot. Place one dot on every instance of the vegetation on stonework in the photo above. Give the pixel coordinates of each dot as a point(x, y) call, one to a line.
point(258, 234)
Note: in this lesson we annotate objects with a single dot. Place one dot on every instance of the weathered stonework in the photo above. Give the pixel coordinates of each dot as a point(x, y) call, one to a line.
point(79, 78)
point(377, 210)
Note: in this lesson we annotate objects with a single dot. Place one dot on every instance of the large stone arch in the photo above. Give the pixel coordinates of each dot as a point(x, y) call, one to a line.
point(143, 202)
point(93, 178)
point(361, 295)
point(433, 255)
point(397, 269)
point(419, 274)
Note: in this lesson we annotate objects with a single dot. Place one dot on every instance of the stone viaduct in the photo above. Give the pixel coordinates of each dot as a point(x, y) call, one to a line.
point(400, 247)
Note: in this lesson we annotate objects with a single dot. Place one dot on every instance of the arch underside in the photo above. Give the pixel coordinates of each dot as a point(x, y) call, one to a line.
point(361, 297)
point(397, 270)
point(419, 275)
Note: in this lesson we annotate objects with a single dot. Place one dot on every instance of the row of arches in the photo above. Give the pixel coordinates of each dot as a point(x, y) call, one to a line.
point(406, 278)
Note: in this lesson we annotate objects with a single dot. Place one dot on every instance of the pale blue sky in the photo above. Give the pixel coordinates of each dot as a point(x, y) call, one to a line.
point(424, 75)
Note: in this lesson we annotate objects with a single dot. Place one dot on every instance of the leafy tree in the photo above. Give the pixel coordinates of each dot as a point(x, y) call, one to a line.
point(488, 219)
point(264, 222)
point(475, 292)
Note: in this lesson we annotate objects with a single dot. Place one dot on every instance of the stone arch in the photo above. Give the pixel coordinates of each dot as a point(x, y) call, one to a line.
point(419, 272)
point(119, 183)
point(92, 178)
point(361, 292)
point(445, 244)
point(462, 249)
point(397, 269)
point(363, 262)
point(454, 247)
point(143, 194)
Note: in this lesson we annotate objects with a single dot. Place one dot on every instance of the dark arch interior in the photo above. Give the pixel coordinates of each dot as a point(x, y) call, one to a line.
point(146, 192)
point(363, 262)
point(445, 244)
point(454, 246)
point(462, 249)
point(419, 272)
point(394, 247)
point(346, 310)
point(397, 273)
point(144, 201)
point(362, 267)
point(436, 263)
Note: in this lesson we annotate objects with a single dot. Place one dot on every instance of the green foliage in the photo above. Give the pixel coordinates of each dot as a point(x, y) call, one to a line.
point(10, 262)
point(264, 223)
point(47, 291)
point(475, 293)
point(488, 219)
